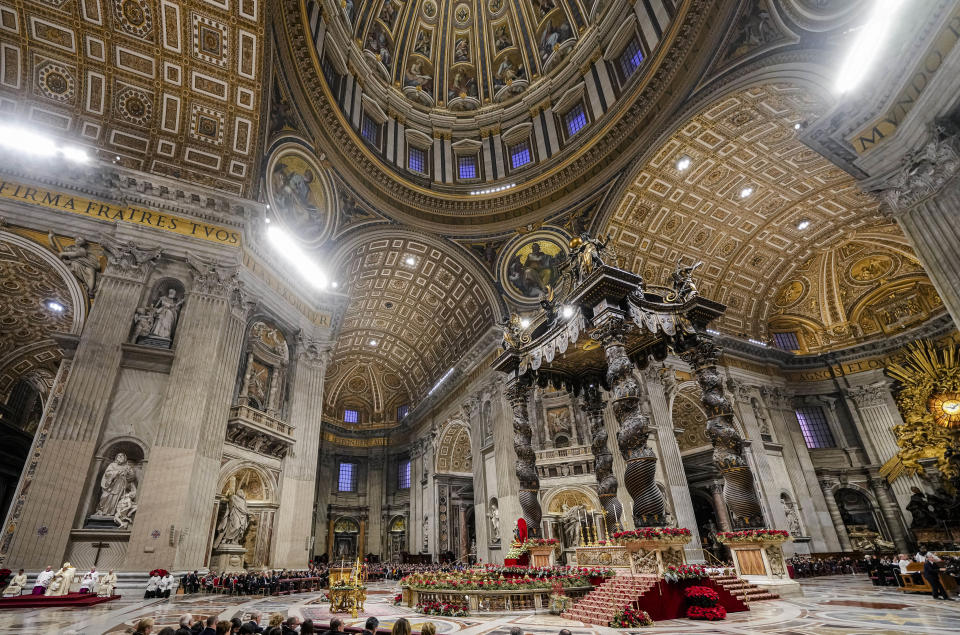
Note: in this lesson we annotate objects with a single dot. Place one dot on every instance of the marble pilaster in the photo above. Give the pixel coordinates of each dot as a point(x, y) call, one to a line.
point(295, 522)
point(660, 384)
point(834, 510)
point(180, 483)
point(890, 512)
point(59, 487)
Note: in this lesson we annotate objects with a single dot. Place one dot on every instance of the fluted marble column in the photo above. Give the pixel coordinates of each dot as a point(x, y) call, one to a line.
point(834, 510)
point(875, 414)
point(50, 508)
point(888, 509)
point(660, 384)
point(295, 522)
point(757, 455)
point(180, 483)
point(924, 196)
point(376, 493)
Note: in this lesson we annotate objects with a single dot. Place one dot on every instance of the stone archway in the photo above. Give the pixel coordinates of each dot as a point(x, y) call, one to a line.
point(245, 512)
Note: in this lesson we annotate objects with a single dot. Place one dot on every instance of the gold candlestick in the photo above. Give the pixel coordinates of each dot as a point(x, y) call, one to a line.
point(606, 534)
point(583, 541)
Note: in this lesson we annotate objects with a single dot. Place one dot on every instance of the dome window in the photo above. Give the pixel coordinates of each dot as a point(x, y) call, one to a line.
point(520, 154)
point(575, 119)
point(467, 167)
point(351, 416)
point(370, 130)
point(417, 160)
point(630, 58)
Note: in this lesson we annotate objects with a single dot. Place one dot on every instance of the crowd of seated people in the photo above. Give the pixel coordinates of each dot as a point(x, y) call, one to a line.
point(814, 566)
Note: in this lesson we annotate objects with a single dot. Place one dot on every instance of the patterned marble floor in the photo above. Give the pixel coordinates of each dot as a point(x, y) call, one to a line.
point(838, 605)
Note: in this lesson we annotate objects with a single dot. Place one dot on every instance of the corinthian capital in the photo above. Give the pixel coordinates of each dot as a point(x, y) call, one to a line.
point(312, 351)
point(868, 395)
point(925, 171)
point(128, 260)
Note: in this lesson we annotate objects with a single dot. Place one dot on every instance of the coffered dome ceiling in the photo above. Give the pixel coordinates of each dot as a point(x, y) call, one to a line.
point(457, 55)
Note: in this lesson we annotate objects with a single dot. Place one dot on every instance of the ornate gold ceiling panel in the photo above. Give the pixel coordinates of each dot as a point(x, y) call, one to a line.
point(869, 285)
point(749, 245)
point(27, 283)
point(453, 450)
point(168, 86)
point(414, 310)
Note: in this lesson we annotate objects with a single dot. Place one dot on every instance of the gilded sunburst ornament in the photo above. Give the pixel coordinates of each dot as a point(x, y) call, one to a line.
point(929, 400)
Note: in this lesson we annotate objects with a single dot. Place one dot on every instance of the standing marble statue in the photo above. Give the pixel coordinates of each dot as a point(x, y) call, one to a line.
point(113, 485)
point(166, 310)
point(79, 259)
point(494, 516)
point(126, 507)
point(234, 523)
point(571, 524)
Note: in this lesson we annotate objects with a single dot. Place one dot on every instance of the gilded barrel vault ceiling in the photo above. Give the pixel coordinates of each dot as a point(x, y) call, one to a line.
point(171, 87)
point(414, 310)
point(868, 285)
point(27, 283)
point(453, 450)
point(750, 245)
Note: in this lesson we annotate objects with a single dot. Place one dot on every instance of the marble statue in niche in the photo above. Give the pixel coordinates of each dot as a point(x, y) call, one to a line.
point(154, 324)
point(494, 516)
point(235, 520)
point(571, 524)
point(78, 257)
point(118, 493)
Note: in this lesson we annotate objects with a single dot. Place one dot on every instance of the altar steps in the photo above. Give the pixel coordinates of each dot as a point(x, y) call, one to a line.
point(743, 590)
point(601, 604)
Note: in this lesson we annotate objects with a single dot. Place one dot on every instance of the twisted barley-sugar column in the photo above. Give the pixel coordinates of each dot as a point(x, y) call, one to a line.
point(639, 475)
point(516, 394)
point(593, 406)
point(738, 491)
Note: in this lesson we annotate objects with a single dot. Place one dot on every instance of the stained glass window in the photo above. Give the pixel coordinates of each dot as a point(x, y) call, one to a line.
point(813, 425)
point(347, 481)
point(575, 119)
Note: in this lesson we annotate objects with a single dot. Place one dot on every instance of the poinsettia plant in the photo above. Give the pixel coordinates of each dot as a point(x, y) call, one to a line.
point(652, 533)
point(706, 613)
point(677, 572)
point(703, 603)
point(628, 617)
point(747, 535)
point(443, 608)
point(540, 542)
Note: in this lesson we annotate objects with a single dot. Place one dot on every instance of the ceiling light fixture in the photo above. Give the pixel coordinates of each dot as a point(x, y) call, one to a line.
point(291, 251)
point(745, 192)
point(55, 306)
point(373, 342)
point(493, 190)
point(524, 322)
point(29, 141)
point(445, 377)
point(411, 260)
point(802, 225)
point(683, 163)
point(797, 126)
point(334, 284)
point(867, 44)
point(567, 311)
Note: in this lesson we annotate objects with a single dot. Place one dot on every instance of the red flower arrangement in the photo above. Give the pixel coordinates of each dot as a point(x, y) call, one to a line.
point(630, 618)
point(703, 604)
point(541, 542)
point(711, 613)
point(753, 534)
point(398, 598)
point(160, 572)
point(443, 608)
point(677, 572)
point(652, 533)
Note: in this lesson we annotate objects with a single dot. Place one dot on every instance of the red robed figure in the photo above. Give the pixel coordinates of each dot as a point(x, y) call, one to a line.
point(522, 530)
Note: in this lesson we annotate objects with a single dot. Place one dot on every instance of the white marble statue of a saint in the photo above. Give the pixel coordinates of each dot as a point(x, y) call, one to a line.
point(166, 309)
point(495, 524)
point(83, 264)
point(571, 524)
point(113, 484)
point(234, 523)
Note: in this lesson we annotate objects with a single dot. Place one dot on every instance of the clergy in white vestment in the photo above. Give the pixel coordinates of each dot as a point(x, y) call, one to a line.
point(153, 584)
point(43, 581)
point(108, 582)
point(16, 585)
point(166, 585)
point(62, 579)
point(89, 581)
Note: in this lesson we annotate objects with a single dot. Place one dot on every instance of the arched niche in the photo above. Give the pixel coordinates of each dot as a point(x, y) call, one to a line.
point(155, 321)
point(346, 533)
point(397, 537)
point(265, 368)
point(453, 454)
point(114, 492)
point(258, 489)
point(857, 509)
point(792, 514)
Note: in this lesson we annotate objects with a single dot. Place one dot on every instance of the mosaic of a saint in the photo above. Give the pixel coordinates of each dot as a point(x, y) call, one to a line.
point(299, 198)
point(532, 270)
